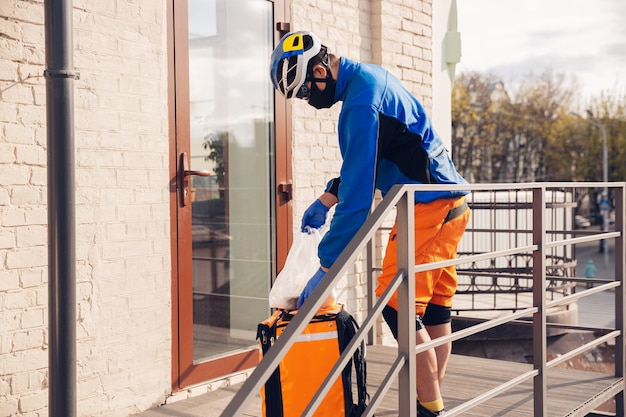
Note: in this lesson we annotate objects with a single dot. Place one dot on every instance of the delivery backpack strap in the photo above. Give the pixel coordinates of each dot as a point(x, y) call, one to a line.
point(266, 334)
point(346, 329)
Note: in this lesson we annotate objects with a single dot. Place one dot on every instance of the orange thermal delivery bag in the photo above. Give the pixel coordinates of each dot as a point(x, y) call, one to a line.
point(299, 375)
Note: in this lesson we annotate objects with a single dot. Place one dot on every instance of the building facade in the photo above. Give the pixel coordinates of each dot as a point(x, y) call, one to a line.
point(191, 179)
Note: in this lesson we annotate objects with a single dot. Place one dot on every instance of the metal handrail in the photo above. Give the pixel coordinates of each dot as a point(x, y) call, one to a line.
point(401, 198)
point(282, 345)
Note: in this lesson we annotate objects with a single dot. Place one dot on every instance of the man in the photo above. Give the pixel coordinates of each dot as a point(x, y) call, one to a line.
point(385, 138)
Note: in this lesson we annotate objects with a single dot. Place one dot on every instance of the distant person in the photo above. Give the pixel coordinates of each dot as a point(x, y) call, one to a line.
point(605, 206)
point(590, 272)
point(385, 138)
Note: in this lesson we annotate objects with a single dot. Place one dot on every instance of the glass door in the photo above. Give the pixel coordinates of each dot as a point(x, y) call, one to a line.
point(230, 133)
point(226, 203)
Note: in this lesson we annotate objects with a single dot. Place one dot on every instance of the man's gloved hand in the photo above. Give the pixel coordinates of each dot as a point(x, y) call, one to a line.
point(314, 216)
point(310, 286)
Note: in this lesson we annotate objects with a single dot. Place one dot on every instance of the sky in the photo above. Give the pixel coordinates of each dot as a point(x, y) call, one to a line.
point(585, 39)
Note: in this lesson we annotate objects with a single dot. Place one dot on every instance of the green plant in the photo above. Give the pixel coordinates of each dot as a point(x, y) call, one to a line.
point(214, 143)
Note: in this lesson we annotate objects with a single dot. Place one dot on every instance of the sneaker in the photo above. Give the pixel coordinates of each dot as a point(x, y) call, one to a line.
point(425, 412)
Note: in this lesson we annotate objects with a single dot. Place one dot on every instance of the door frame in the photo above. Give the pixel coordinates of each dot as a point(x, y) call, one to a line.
point(184, 371)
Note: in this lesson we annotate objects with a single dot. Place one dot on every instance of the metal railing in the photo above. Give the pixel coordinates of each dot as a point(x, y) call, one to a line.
point(401, 198)
point(504, 218)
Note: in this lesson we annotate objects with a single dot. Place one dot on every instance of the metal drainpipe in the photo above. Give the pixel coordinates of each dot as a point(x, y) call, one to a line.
point(60, 77)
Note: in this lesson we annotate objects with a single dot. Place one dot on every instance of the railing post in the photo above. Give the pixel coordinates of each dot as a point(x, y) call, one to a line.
point(406, 304)
point(620, 370)
point(371, 288)
point(540, 385)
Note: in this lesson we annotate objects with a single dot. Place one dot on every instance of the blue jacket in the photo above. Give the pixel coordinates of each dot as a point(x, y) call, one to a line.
point(385, 138)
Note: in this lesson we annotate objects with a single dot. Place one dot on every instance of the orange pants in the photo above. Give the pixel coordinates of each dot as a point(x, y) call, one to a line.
point(435, 240)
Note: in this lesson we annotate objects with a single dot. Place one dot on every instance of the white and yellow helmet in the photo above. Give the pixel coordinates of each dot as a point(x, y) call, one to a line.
point(290, 62)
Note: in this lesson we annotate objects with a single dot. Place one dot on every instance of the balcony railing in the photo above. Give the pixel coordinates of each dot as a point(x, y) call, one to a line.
point(528, 247)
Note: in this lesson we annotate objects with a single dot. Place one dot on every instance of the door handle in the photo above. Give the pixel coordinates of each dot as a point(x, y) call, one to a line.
point(184, 185)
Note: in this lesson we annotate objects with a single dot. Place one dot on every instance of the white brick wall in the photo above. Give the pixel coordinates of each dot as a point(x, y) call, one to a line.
point(23, 317)
point(122, 214)
point(124, 309)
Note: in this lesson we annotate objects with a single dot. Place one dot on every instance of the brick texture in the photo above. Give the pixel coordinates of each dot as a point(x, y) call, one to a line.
point(122, 217)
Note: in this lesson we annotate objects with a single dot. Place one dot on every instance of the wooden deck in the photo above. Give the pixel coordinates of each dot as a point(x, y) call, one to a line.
point(570, 392)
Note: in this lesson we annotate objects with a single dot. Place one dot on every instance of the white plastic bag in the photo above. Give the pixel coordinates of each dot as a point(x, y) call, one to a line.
point(301, 264)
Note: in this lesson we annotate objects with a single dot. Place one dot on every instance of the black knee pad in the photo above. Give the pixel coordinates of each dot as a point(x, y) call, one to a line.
point(436, 314)
point(390, 315)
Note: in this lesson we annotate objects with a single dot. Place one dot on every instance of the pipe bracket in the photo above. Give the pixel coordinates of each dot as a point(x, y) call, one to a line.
point(61, 74)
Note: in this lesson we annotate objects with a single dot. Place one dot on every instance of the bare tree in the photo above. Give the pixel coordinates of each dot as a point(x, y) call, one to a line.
point(529, 134)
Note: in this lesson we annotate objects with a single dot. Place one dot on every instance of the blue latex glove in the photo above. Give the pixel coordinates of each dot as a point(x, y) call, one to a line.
point(314, 216)
point(310, 286)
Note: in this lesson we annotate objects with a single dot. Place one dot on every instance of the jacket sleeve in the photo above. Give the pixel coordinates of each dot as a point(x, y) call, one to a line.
point(358, 134)
point(333, 186)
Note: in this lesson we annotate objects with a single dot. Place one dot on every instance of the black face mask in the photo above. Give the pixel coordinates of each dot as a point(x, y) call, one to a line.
point(323, 99)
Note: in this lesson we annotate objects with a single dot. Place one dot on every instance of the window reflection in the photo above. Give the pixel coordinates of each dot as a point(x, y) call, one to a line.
point(231, 110)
